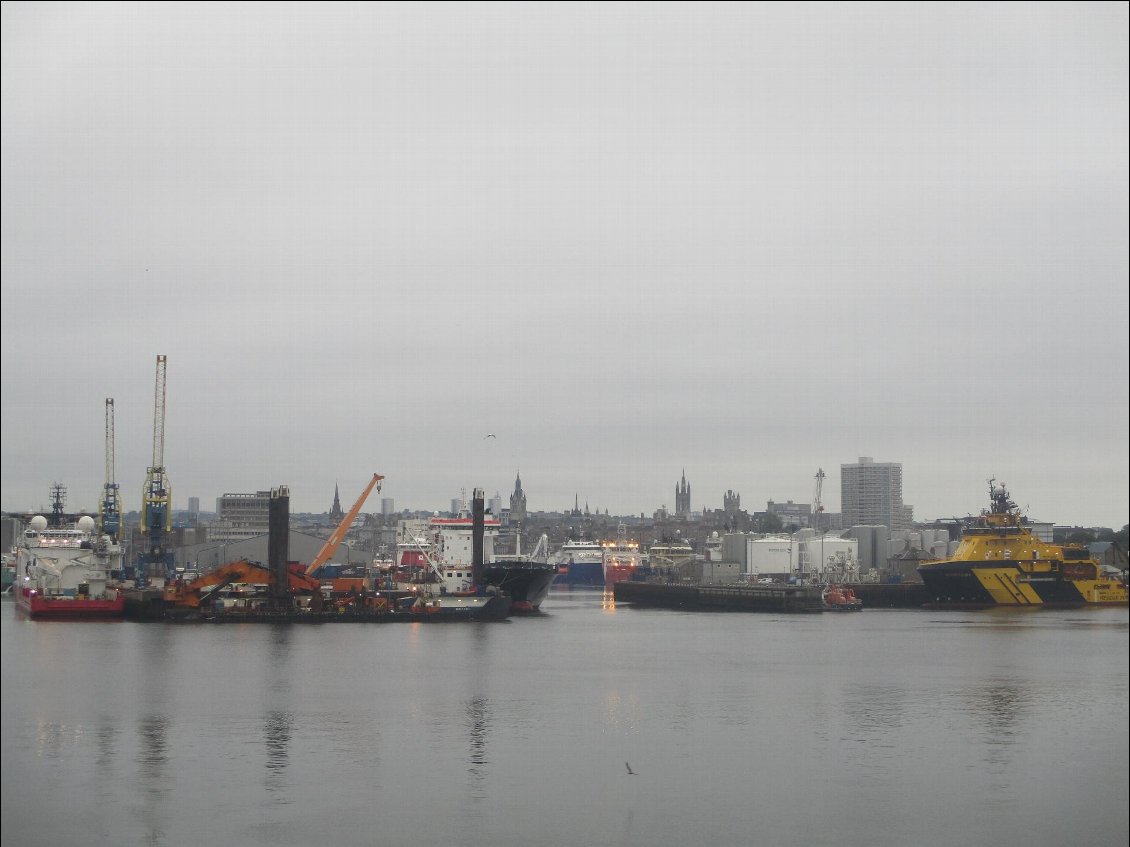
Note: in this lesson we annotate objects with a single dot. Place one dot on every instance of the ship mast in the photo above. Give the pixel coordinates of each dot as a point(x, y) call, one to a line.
point(58, 503)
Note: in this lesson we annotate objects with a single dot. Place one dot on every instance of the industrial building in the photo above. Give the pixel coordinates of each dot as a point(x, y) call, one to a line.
point(240, 516)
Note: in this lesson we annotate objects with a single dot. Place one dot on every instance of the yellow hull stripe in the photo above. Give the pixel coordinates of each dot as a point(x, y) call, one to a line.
point(1006, 591)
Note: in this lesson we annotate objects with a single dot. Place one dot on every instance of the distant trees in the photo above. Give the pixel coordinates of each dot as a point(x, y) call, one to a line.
point(769, 522)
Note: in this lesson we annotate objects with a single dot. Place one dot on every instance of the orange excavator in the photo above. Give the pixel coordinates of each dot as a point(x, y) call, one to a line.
point(191, 595)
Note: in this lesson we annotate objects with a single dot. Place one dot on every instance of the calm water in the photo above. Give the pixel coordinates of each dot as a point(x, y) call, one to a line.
point(880, 728)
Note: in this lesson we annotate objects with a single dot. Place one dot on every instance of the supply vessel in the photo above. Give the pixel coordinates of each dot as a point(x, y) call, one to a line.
point(1001, 562)
point(62, 570)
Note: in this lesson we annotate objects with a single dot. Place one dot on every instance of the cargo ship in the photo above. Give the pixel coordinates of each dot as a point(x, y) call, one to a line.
point(1000, 562)
point(444, 557)
point(63, 571)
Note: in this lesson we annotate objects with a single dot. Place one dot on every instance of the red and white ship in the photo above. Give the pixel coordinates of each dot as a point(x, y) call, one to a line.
point(622, 559)
point(63, 572)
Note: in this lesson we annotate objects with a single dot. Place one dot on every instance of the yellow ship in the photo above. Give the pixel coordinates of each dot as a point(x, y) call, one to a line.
point(999, 562)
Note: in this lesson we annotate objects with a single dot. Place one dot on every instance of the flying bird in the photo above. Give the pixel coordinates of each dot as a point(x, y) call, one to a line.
point(629, 767)
point(488, 435)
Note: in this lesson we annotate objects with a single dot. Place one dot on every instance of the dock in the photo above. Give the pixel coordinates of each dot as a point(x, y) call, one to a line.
point(896, 595)
point(764, 598)
point(721, 598)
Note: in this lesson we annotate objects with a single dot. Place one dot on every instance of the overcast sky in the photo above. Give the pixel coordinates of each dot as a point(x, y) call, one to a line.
point(750, 241)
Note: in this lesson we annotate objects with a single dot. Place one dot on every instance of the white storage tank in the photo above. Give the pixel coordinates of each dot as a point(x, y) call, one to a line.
point(772, 555)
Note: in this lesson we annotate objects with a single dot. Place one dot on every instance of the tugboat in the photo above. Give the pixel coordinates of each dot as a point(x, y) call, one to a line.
point(1000, 562)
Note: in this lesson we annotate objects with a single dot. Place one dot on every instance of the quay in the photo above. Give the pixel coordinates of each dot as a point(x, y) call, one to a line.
point(764, 598)
point(897, 595)
point(721, 598)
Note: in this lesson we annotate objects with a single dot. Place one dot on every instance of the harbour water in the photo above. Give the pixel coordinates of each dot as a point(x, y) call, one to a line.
point(887, 727)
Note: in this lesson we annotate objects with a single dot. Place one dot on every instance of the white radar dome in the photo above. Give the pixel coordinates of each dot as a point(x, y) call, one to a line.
point(86, 523)
point(39, 523)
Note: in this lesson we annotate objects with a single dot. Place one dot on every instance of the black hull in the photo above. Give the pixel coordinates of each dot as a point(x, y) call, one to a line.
point(527, 583)
point(965, 585)
point(954, 588)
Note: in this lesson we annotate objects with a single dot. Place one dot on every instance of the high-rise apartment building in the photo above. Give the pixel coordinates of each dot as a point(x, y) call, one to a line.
point(871, 494)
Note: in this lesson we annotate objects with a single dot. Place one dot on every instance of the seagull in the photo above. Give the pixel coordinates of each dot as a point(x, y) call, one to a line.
point(488, 435)
point(629, 767)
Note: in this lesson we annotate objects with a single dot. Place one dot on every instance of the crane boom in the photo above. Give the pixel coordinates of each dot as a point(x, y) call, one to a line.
point(159, 415)
point(332, 543)
point(157, 495)
point(817, 499)
point(110, 507)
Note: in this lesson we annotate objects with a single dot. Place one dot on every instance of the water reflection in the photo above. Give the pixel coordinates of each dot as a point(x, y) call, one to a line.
point(997, 709)
point(608, 599)
point(478, 731)
point(276, 731)
point(152, 761)
point(874, 710)
point(152, 755)
point(278, 719)
point(49, 737)
point(153, 732)
point(873, 716)
point(278, 662)
point(106, 737)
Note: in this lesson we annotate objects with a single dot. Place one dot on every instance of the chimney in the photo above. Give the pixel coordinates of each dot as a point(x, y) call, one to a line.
point(477, 530)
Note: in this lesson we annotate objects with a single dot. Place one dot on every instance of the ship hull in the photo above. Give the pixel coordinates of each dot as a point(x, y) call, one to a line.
point(39, 606)
point(446, 608)
point(581, 575)
point(527, 583)
point(961, 585)
point(617, 573)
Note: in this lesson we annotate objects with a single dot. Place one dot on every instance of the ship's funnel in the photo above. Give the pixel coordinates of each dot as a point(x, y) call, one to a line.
point(477, 531)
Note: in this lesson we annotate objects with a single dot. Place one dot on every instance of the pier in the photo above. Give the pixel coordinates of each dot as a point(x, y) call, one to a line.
point(721, 598)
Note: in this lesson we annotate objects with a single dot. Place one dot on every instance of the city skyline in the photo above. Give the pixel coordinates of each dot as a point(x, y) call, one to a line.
point(751, 240)
point(374, 504)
